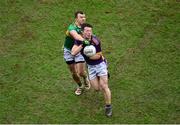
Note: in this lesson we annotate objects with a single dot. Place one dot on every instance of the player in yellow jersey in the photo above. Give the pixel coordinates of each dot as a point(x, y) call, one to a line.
point(76, 64)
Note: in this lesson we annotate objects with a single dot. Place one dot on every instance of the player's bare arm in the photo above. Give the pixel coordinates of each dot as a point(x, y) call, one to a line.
point(76, 49)
point(95, 57)
point(76, 36)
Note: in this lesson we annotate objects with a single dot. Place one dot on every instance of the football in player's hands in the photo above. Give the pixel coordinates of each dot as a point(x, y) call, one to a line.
point(89, 51)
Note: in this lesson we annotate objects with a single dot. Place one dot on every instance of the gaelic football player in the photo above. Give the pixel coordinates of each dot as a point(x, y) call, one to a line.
point(97, 67)
point(76, 64)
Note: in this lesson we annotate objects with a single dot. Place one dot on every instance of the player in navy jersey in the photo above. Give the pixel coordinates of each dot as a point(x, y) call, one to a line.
point(97, 67)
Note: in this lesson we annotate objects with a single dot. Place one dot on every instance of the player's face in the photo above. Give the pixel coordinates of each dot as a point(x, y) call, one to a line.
point(87, 33)
point(81, 18)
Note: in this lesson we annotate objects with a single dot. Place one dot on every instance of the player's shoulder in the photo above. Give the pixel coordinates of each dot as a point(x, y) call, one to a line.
point(72, 26)
point(95, 40)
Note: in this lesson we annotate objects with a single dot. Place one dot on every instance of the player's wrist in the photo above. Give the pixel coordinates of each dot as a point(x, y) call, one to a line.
point(85, 43)
point(100, 56)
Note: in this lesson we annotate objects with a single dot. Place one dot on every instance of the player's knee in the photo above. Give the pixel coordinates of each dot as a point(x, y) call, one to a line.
point(73, 71)
point(104, 87)
point(74, 74)
point(100, 88)
point(97, 89)
point(81, 74)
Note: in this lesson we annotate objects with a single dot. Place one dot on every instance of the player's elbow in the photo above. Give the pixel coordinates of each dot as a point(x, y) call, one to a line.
point(72, 53)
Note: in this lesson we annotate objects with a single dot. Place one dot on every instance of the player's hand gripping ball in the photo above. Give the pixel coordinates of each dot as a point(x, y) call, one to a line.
point(89, 51)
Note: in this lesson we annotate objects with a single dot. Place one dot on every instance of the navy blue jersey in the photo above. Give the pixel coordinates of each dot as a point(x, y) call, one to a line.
point(97, 44)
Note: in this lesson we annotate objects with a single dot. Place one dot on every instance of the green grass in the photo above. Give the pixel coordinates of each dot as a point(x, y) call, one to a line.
point(139, 39)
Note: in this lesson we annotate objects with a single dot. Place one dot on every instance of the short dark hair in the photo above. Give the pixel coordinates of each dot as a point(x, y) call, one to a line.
point(85, 25)
point(78, 12)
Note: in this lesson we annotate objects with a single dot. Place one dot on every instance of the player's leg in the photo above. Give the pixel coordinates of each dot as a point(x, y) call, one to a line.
point(81, 69)
point(92, 77)
point(103, 81)
point(72, 67)
point(82, 73)
point(95, 83)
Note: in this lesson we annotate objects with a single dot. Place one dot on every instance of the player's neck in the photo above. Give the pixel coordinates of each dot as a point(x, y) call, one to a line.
point(89, 38)
point(77, 24)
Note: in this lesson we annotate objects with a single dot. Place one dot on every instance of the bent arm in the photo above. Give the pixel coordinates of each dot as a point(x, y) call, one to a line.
point(76, 36)
point(76, 49)
point(96, 56)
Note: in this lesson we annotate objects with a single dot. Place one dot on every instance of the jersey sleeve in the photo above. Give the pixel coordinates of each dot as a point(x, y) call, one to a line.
point(98, 47)
point(71, 27)
point(97, 43)
point(76, 42)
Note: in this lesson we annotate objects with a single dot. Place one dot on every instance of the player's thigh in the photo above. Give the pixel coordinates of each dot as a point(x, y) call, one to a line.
point(95, 83)
point(79, 58)
point(102, 69)
point(80, 67)
point(103, 81)
point(68, 57)
point(72, 68)
point(70, 60)
point(92, 73)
